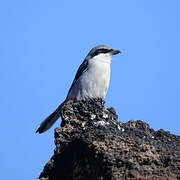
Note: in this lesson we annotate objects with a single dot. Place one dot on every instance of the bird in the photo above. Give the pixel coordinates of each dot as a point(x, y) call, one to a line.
point(91, 81)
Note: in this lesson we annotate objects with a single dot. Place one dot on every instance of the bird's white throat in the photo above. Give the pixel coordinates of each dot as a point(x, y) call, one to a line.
point(105, 58)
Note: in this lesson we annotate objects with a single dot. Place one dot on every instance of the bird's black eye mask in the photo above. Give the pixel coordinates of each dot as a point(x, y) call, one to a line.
point(99, 51)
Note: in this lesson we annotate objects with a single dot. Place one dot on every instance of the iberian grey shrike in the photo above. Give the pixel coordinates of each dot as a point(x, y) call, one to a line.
point(91, 81)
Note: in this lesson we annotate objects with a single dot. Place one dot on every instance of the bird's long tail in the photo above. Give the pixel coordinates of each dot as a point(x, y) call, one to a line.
point(49, 121)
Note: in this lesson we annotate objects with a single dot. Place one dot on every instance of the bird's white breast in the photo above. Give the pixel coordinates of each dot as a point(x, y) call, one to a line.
point(94, 82)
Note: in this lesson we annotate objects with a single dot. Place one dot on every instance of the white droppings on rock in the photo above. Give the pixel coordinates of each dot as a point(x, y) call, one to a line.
point(83, 124)
point(121, 129)
point(101, 123)
point(93, 116)
point(118, 127)
point(105, 115)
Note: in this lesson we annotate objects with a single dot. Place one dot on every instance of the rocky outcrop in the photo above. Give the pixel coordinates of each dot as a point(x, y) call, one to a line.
point(92, 145)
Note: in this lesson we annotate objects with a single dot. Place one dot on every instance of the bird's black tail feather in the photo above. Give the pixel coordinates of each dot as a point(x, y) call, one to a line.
point(49, 121)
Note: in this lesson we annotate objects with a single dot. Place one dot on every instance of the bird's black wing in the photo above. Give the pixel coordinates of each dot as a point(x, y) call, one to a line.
point(82, 68)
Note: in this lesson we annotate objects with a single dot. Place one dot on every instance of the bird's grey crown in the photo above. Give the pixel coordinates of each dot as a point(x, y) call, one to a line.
point(99, 49)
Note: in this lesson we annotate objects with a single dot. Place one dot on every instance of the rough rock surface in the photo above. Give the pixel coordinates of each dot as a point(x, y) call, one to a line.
point(92, 145)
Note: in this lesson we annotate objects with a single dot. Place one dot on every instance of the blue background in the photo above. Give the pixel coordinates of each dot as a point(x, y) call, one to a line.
point(42, 43)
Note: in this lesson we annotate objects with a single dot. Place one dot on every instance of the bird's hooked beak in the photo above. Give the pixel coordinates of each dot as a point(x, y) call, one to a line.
point(113, 52)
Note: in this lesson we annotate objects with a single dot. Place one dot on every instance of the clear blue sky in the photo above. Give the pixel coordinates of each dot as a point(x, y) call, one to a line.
point(42, 43)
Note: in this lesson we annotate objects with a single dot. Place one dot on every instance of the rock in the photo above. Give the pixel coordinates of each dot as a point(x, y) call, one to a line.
point(92, 145)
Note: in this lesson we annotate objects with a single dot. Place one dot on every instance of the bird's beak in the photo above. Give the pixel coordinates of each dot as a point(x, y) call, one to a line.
point(115, 52)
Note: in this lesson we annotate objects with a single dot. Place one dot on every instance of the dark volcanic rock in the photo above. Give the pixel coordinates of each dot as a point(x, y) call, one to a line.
point(92, 145)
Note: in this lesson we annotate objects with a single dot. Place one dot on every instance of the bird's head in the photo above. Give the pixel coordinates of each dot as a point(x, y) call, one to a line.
point(102, 53)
